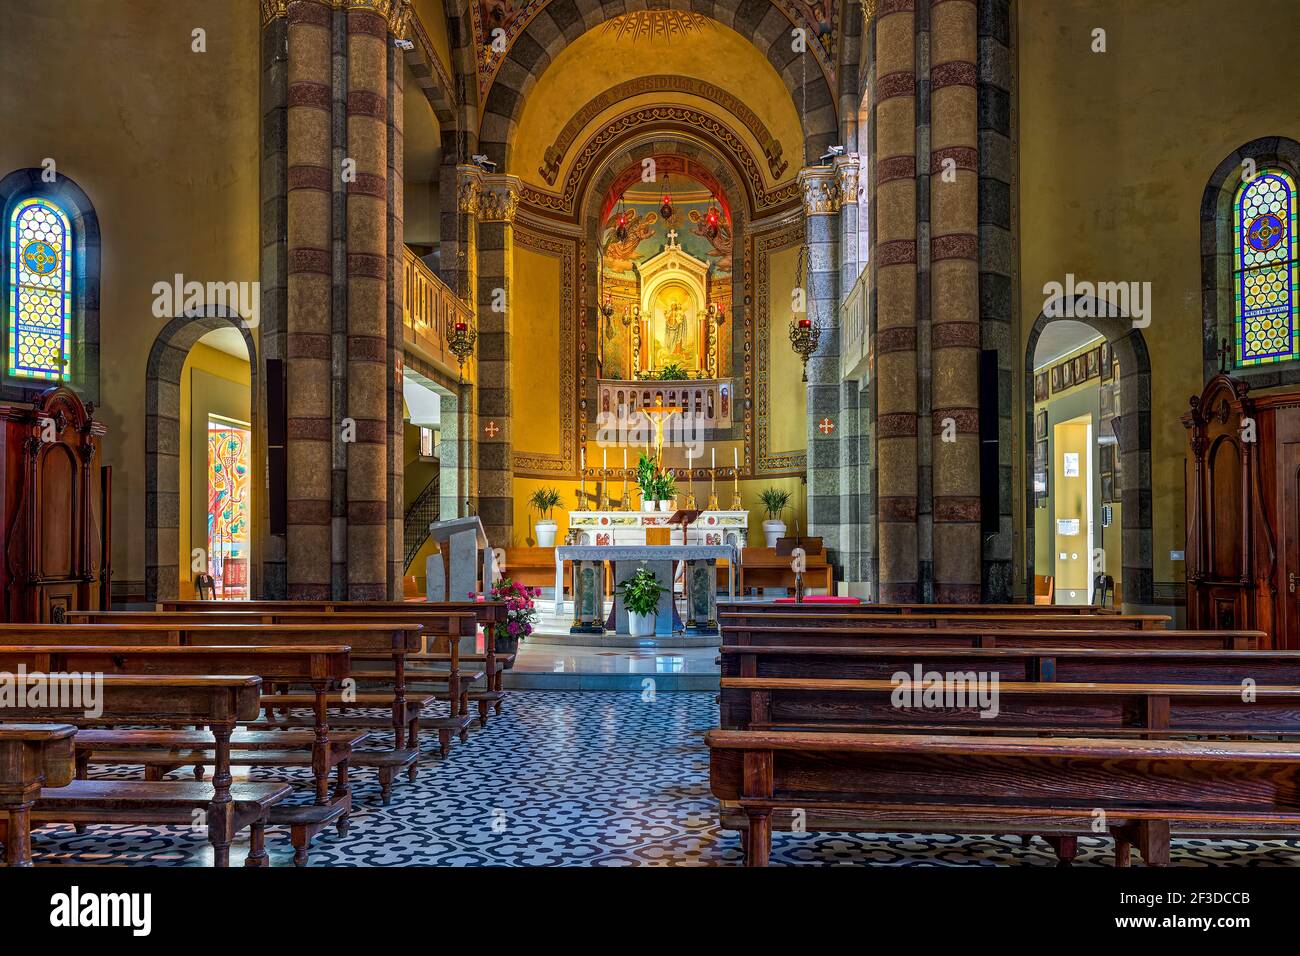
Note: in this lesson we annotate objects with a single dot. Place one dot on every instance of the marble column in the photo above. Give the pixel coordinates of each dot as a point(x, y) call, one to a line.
point(895, 281)
point(395, 305)
point(498, 200)
point(367, 299)
point(822, 197)
point(954, 302)
point(309, 219)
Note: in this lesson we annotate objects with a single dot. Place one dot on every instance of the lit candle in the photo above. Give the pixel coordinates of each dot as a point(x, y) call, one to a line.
point(461, 326)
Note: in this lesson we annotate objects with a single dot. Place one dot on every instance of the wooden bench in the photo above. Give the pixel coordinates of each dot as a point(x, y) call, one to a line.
point(487, 614)
point(764, 568)
point(32, 757)
point(947, 610)
point(843, 619)
point(390, 641)
point(902, 782)
point(959, 635)
point(176, 701)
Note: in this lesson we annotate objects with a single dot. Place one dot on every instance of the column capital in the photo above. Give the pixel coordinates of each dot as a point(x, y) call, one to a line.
point(397, 13)
point(868, 11)
point(469, 186)
point(847, 169)
point(821, 190)
point(498, 197)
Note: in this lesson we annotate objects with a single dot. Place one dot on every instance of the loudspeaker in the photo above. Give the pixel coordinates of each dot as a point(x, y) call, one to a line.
point(990, 479)
point(277, 429)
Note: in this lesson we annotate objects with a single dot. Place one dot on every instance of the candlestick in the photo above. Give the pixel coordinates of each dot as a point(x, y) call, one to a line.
point(626, 501)
point(713, 497)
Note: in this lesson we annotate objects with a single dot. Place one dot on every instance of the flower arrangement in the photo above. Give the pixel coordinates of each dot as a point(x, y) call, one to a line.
point(521, 614)
point(641, 592)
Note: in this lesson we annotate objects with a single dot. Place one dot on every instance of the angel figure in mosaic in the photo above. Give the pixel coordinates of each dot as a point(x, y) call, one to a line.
point(719, 245)
point(621, 254)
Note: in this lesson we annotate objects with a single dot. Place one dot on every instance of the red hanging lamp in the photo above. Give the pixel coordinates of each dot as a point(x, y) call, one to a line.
point(666, 203)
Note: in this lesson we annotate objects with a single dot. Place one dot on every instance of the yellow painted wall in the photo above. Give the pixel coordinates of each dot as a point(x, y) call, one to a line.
point(164, 141)
point(599, 60)
point(788, 397)
point(212, 383)
point(433, 18)
point(1115, 151)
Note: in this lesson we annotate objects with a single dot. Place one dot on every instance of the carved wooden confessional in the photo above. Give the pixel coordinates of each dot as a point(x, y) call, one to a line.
point(53, 498)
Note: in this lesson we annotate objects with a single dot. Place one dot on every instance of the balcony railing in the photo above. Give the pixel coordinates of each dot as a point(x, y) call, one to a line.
point(430, 309)
point(854, 344)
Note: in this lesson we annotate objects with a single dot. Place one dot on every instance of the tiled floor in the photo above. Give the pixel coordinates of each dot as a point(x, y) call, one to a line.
point(573, 779)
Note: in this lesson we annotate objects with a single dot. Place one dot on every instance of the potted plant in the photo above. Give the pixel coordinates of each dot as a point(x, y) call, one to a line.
point(775, 502)
point(640, 595)
point(521, 615)
point(647, 479)
point(666, 489)
point(544, 501)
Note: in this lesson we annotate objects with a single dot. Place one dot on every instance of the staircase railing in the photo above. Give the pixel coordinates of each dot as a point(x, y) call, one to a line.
point(423, 511)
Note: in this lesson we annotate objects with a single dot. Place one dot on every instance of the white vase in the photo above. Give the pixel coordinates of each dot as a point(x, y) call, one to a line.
point(640, 625)
point(546, 533)
point(647, 504)
point(773, 530)
point(666, 505)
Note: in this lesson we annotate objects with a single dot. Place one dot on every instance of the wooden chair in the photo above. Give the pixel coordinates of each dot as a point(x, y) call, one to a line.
point(1044, 589)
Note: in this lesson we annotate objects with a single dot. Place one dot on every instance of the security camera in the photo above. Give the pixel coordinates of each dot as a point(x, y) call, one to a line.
point(484, 163)
point(403, 44)
point(831, 153)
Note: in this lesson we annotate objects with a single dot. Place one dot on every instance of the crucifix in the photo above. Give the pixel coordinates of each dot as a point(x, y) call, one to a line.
point(1224, 352)
point(672, 238)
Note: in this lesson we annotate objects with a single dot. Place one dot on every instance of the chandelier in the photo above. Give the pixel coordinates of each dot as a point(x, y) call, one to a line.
point(620, 228)
point(805, 330)
point(711, 226)
point(461, 337)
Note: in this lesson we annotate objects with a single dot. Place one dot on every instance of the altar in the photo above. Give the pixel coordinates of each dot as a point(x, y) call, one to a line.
point(629, 527)
point(665, 561)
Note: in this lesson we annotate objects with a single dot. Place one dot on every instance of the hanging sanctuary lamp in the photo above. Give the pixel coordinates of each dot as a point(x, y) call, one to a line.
point(805, 330)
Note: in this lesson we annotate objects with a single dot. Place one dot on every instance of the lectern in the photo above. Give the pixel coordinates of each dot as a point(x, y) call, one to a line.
point(453, 573)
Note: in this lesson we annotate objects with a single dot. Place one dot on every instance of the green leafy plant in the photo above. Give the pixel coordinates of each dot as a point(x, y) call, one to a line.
point(647, 477)
point(665, 486)
point(641, 592)
point(673, 372)
point(544, 501)
point(774, 501)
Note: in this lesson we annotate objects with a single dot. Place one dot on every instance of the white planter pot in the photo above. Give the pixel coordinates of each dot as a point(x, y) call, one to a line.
point(546, 533)
point(640, 625)
point(773, 530)
point(647, 504)
point(665, 506)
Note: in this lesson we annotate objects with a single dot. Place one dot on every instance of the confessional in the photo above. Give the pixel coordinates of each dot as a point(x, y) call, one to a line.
point(54, 507)
point(1243, 510)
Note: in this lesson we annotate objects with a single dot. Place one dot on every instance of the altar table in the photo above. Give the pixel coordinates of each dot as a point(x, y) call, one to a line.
point(589, 583)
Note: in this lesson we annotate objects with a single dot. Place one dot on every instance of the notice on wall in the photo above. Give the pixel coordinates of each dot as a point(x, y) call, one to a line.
point(1070, 464)
point(1067, 526)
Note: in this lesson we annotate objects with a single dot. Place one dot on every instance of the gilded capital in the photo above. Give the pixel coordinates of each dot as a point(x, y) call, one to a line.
point(868, 11)
point(821, 190)
point(498, 198)
point(396, 13)
point(469, 185)
point(847, 169)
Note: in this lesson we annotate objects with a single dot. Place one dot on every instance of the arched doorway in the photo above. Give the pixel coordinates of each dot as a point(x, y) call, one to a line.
point(1128, 431)
point(201, 425)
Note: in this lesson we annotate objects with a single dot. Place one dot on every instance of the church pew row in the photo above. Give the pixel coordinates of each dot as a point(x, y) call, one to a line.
point(949, 610)
point(1155, 665)
point(179, 701)
point(392, 641)
point(438, 668)
point(959, 635)
point(487, 614)
point(1095, 622)
point(926, 782)
point(32, 756)
point(321, 668)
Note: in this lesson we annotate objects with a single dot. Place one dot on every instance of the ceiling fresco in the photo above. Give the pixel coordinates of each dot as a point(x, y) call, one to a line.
point(820, 18)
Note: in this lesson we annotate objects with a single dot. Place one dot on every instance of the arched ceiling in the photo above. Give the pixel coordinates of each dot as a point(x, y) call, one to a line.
point(616, 77)
point(533, 36)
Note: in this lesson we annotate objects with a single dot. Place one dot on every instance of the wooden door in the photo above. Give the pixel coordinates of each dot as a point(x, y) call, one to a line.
point(1289, 533)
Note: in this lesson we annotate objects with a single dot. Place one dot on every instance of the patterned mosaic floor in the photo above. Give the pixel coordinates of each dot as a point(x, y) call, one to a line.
point(573, 779)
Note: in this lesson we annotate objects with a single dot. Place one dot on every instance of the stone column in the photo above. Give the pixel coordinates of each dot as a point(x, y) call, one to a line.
point(822, 197)
point(309, 296)
point(894, 265)
point(396, 304)
point(954, 289)
point(498, 200)
point(367, 296)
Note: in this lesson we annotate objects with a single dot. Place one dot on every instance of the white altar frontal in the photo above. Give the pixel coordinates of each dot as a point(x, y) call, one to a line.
point(627, 528)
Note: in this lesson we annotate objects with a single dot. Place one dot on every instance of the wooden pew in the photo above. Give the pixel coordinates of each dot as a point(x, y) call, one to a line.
point(32, 756)
point(394, 641)
point(443, 627)
point(1022, 707)
point(901, 782)
point(323, 669)
point(175, 701)
point(487, 614)
point(764, 568)
point(959, 635)
point(980, 610)
point(1159, 665)
point(844, 619)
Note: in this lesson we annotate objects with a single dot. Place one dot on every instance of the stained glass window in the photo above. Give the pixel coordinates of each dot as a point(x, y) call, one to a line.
point(40, 291)
point(1266, 274)
point(229, 531)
